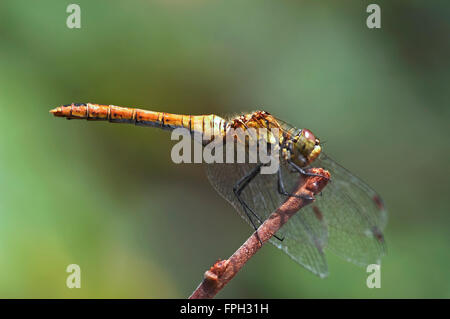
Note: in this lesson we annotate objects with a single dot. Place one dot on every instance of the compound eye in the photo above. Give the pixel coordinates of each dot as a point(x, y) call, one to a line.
point(309, 136)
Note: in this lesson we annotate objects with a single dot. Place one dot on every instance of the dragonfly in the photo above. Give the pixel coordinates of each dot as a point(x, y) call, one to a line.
point(347, 220)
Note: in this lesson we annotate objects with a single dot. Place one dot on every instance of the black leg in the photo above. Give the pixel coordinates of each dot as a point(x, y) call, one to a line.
point(302, 171)
point(282, 190)
point(237, 190)
point(239, 187)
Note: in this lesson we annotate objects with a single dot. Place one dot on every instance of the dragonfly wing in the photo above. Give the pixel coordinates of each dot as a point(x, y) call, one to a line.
point(354, 214)
point(304, 235)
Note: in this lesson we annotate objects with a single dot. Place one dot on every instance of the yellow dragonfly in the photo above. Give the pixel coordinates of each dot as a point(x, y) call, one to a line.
point(347, 220)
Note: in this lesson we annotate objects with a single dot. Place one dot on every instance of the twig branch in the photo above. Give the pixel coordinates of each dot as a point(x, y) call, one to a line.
point(224, 270)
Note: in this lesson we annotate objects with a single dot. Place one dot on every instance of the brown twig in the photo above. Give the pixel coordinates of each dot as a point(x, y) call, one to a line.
point(224, 270)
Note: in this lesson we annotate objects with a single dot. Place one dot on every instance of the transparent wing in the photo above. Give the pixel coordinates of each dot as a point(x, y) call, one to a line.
point(305, 235)
point(354, 213)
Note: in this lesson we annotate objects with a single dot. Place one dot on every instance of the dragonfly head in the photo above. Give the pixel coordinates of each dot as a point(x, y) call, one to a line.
point(306, 148)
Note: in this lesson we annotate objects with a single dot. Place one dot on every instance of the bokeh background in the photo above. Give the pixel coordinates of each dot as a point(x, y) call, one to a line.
point(108, 197)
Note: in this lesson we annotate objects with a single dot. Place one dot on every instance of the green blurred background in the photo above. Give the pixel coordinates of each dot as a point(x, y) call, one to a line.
point(108, 198)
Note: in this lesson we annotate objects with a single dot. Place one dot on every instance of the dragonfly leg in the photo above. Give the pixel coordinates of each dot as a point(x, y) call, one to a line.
point(303, 172)
point(239, 187)
point(282, 189)
point(242, 183)
point(237, 190)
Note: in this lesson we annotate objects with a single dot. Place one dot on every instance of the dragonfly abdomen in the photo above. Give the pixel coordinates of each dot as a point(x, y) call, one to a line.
point(207, 126)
